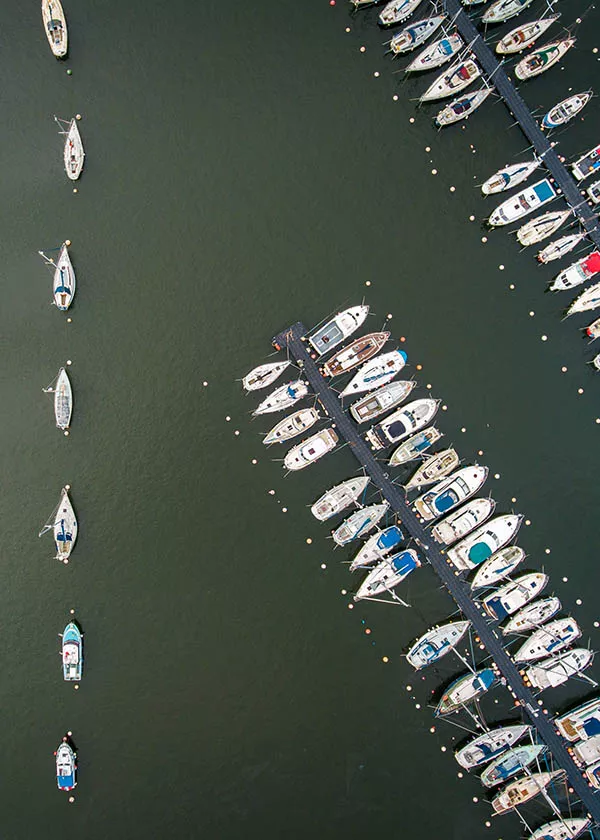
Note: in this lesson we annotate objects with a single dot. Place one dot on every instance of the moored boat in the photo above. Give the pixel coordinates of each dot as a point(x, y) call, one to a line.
point(415, 446)
point(63, 399)
point(566, 828)
point(524, 36)
point(577, 273)
point(565, 110)
point(282, 397)
point(263, 375)
point(588, 751)
point(63, 281)
point(337, 329)
point(454, 80)
point(359, 523)
point(73, 152)
point(436, 643)
point(396, 11)
point(503, 10)
point(63, 524)
point(339, 497)
point(593, 330)
point(377, 547)
point(593, 192)
point(450, 492)
point(587, 164)
point(581, 723)
point(55, 27)
point(434, 468)
point(310, 450)
point(510, 763)
point(588, 300)
point(484, 541)
point(376, 372)
point(596, 362)
point(522, 790)
point(401, 423)
point(533, 615)
point(436, 54)
point(65, 766)
point(388, 573)
point(556, 250)
point(548, 640)
point(376, 403)
point(415, 34)
point(523, 203)
point(556, 670)
point(509, 176)
point(498, 566)
point(72, 652)
point(465, 690)
point(291, 426)
point(513, 595)
point(484, 748)
point(542, 226)
point(463, 521)
point(542, 59)
point(462, 107)
point(351, 356)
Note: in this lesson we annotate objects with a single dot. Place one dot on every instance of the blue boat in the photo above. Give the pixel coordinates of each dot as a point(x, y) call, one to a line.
point(65, 766)
point(388, 574)
point(72, 652)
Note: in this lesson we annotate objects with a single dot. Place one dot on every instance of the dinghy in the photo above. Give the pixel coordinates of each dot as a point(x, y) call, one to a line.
point(548, 640)
point(524, 36)
point(387, 574)
point(63, 523)
point(338, 329)
point(282, 397)
point(396, 11)
point(263, 375)
point(485, 747)
point(415, 446)
point(351, 356)
point(556, 670)
point(55, 27)
point(588, 300)
point(566, 110)
point(450, 492)
point(73, 153)
point(542, 226)
point(565, 828)
point(560, 247)
point(533, 615)
point(463, 521)
point(377, 547)
point(454, 80)
point(510, 763)
point(593, 331)
point(542, 59)
point(499, 566)
point(291, 426)
point(583, 722)
point(378, 371)
point(462, 107)
point(484, 541)
point(72, 652)
point(503, 10)
point(509, 176)
point(415, 34)
point(310, 450)
point(587, 164)
point(523, 789)
point(65, 766)
point(436, 643)
point(465, 690)
point(380, 401)
point(593, 192)
point(401, 423)
point(577, 273)
point(436, 54)
point(63, 399)
point(63, 282)
point(359, 524)
point(513, 595)
point(434, 468)
point(523, 203)
point(339, 497)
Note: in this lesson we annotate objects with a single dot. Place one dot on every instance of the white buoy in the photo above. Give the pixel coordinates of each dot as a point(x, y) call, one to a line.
point(323, 565)
point(411, 120)
point(75, 190)
point(580, 390)
point(417, 705)
point(501, 267)
point(271, 492)
point(484, 238)
point(512, 286)
point(547, 550)
point(69, 733)
point(205, 383)
point(434, 171)
point(228, 418)
point(72, 612)
point(579, 602)
point(452, 189)
point(77, 116)
point(68, 243)
point(565, 579)
point(344, 592)
point(544, 338)
point(564, 368)
point(444, 408)
point(389, 316)
point(69, 320)
point(497, 475)
point(237, 431)
point(350, 606)
point(443, 749)
point(596, 623)
point(71, 799)
point(66, 433)
point(528, 521)
point(309, 542)
point(254, 461)
point(76, 687)
point(363, 49)
point(471, 218)
point(69, 362)
point(463, 429)
point(367, 283)
point(284, 510)
point(376, 74)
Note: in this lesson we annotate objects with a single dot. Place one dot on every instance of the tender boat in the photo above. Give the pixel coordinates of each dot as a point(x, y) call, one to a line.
point(72, 652)
point(533, 615)
point(523, 789)
point(339, 497)
point(556, 670)
point(63, 284)
point(484, 541)
point(593, 331)
point(454, 80)
point(401, 423)
point(377, 547)
point(542, 59)
point(593, 192)
point(378, 371)
point(462, 107)
point(396, 11)
point(359, 523)
point(503, 10)
point(263, 375)
point(524, 36)
point(485, 747)
point(338, 329)
point(587, 164)
point(499, 566)
point(311, 449)
point(565, 828)
point(577, 273)
point(523, 203)
point(450, 492)
point(436, 54)
point(588, 751)
point(65, 766)
point(415, 446)
point(63, 399)
point(291, 426)
point(380, 401)
point(560, 247)
point(436, 643)
point(55, 27)
point(542, 226)
point(548, 640)
point(463, 521)
point(566, 110)
point(283, 397)
point(415, 34)
point(510, 763)
point(434, 468)
point(388, 573)
point(464, 690)
point(580, 723)
point(509, 176)
point(513, 595)
point(351, 356)
point(73, 151)
point(588, 300)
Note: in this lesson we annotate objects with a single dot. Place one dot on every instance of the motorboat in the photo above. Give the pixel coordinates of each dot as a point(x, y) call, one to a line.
point(63, 399)
point(593, 330)
point(542, 226)
point(450, 492)
point(434, 468)
point(65, 766)
point(415, 446)
point(291, 426)
point(503, 10)
point(556, 670)
point(311, 449)
point(587, 164)
point(376, 372)
point(513, 595)
point(510, 763)
point(377, 546)
point(462, 107)
point(509, 176)
point(588, 752)
point(566, 828)
point(436, 54)
point(55, 27)
point(484, 748)
point(560, 247)
point(415, 34)
point(523, 203)
point(465, 690)
point(548, 640)
point(523, 789)
point(378, 402)
point(524, 36)
point(359, 523)
point(580, 723)
point(533, 615)
point(457, 78)
point(351, 356)
point(338, 329)
point(497, 567)
point(73, 152)
point(63, 282)
point(542, 59)
point(283, 397)
point(462, 521)
point(396, 11)
point(72, 652)
point(588, 300)
point(577, 273)
point(593, 192)
point(436, 643)
point(339, 497)
point(388, 573)
point(264, 375)
point(401, 423)
point(484, 541)
point(566, 110)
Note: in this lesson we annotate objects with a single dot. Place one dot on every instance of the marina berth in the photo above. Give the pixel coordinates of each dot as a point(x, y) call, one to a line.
point(311, 450)
point(542, 59)
point(484, 748)
point(415, 34)
point(587, 164)
point(524, 36)
point(463, 521)
point(522, 790)
point(577, 273)
point(484, 541)
point(593, 192)
point(465, 690)
point(415, 446)
point(511, 763)
point(72, 653)
point(401, 423)
point(556, 670)
point(396, 11)
point(581, 723)
point(454, 80)
point(63, 399)
point(542, 226)
point(548, 640)
point(263, 375)
point(55, 27)
point(509, 176)
point(503, 10)
point(376, 372)
point(378, 402)
point(65, 767)
point(339, 497)
point(377, 547)
point(338, 329)
point(291, 426)
point(351, 356)
point(436, 643)
point(523, 203)
point(359, 523)
point(497, 567)
point(588, 751)
point(566, 828)
point(282, 397)
point(436, 54)
point(388, 573)
point(533, 615)
point(63, 282)
point(565, 110)
point(462, 107)
point(434, 468)
point(560, 247)
point(513, 595)
point(450, 492)
point(587, 301)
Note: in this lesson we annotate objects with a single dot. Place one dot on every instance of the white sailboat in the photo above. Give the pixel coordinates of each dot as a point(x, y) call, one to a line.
point(339, 497)
point(436, 643)
point(533, 615)
point(396, 11)
point(436, 54)
point(557, 249)
point(434, 468)
point(509, 176)
point(566, 828)
point(55, 27)
point(542, 226)
point(415, 34)
point(454, 80)
point(359, 523)
point(63, 399)
point(542, 59)
point(523, 789)
point(462, 107)
point(508, 599)
point(499, 566)
point(291, 426)
point(377, 547)
point(565, 110)
point(588, 300)
point(378, 402)
point(503, 10)
point(63, 523)
point(485, 747)
point(556, 670)
point(283, 397)
point(378, 371)
point(63, 282)
point(521, 37)
point(263, 375)
point(548, 640)
point(387, 574)
point(73, 152)
point(310, 450)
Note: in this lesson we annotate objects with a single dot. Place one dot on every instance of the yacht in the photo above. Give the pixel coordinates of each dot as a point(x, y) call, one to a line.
point(580, 723)
point(497, 567)
point(337, 329)
point(513, 595)
point(465, 690)
point(588, 300)
point(542, 226)
point(510, 763)
point(577, 273)
point(523, 203)
point(339, 497)
point(291, 426)
point(533, 615)
point(462, 107)
point(434, 468)
point(557, 249)
point(548, 640)
point(396, 11)
point(377, 547)
point(524, 789)
point(415, 34)
point(359, 523)
point(311, 449)
point(566, 828)
point(542, 59)
point(72, 652)
point(263, 375)
point(450, 492)
point(55, 27)
point(556, 670)
point(283, 397)
point(436, 54)
point(565, 110)
point(415, 446)
point(503, 10)
point(524, 36)
point(378, 371)
point(484, 541)
point(509, 176)
point(351, 356)
point(587, 164)
point(484, 748)
point(454, 80)
point(388, 573)
point(436, 643)
point(378, 402)
point(463, 521)
point(401, 423)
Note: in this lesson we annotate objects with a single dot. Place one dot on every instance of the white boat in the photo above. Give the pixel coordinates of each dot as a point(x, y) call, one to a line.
point(566, 110)
point(533, 615)
point(542, 59)
point(596, 362)
point(503, 10)
point(485, 747)
point(72, 653)
point(510, 763)
point(497, 567)
point(263, 375)
point(338, 329)
point(524, 36)
point(593, 330)
point(577, 273)
point(434, 468)
point(523, 203)
point(377, 547)
point(509, 176)
point(436, 643)
point(593, 192)
point(415, 446)
point(484, 541)
point(376, 372)
point(73, 152)
point(556, 670)
point(542, 226)
point(462, 107)
point(310, 450)
point(373, 405)
point(557, 249)
point(63, 524)
point(360, 350)
point(566, 828)
point(462, 521)
point(63, 281)
point(396, 11)
point(548, 640)
point(436, 54)
point(523, 789)
point(291, 426)
point(359, 523)
point(465, 690)
point(513, 595)
point(415, 34)
point(401, 423)
point(587, 164)
point(388, 573)
point(457, 78)
point(450, 492)
point(55, 27)
point(588, 300)
point(588, 752)
point(580, 723)
point(66, 769)
point(63, 399)
point(339, 497)
point(283, 397)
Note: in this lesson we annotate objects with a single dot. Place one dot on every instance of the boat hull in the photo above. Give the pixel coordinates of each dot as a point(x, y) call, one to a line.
point(512, 596)
point(465, 690)
point(55, 27)
point(311, 450)
point(298, 422)
point(63, 286)
point(387, 574)
point(455, 80)
point(66, 769)
point(436, 54)
point(434, 468)
point(377, 547)
point(542, 59)
point(415, 446)
point(342, 325)
point(359, 351)
point(72, 653)
point(463, 521)
point(556, 670)
point(533, 615)
point(484, 748)
point(74, 154)
point(524, 36)
point(436, 643)
point(498, 566)
point(376, 372)
point(65, 528)
point(63, 400)
point(401, 423)
point(484, 541)
point(263, 375)
point(339, 498)
point(449, 493)
point(548, 640)
point(522, 790)
point(376, 403)
point(565, 110)
point(283, 397)
point(359, 524)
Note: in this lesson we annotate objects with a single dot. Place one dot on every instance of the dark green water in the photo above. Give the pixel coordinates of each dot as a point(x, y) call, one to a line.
point(245, 169)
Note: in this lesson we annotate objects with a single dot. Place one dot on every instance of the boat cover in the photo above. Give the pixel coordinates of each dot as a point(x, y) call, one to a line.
point(446, 501)
point(390, 537)
point(544, 190)
point(479, 552)
point(592, 264)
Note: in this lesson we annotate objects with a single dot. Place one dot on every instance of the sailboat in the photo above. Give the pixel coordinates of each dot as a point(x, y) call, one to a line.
point(283, 397)
point(542, 59)
point(415, 446)
point(465, 690)
point(503, 10)
point(508, 599)
point(523, 789)
point(63, 399)
point(387, 574)
point(548, 640)
point(524, 36)
point(378, 371)
point(263, 375)
point(452, 81)
point(588, 300)
point(462, 107)
point(533, 615)
point(542, 227)
point(510, 763)
point(311, 449)
point(434, 468)
point(377, 547)
point(72, 652)
point(436, 54)
point(339, 497)
point(566, 110)
point(556, 670)
point(291, 426)
point(415, 34)
point(381, 400)
point(509, 176)
point(485, 747)
point(63, 284)
point(55, 27)
point(462, 521)
point(566, 828)
point(351, 356)
point(63, 523)
point(396, 11)
point(359, 523)
point(436, 643)
point(73, 149)
point(559, 247)
point(498, 566)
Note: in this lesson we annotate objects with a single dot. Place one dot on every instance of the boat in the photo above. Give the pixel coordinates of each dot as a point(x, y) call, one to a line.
point(450, 492)
point(556, 250)
point(436, 643)
point(464, 690)
point(436, 54)
point(72, 652)
point(338, 329)
point(359, 523)
point(282, 397)
point(587, 164)
point(498, 566)
point(63, 399)
point(263, 375)
point(549, 639)
point(542, 226)
point(401, 423)
point(593, 192)
point(311, 449)
point(388, 573)
point(503, 10)
point(523, 203)
point(377, 547)
point(63, 524)
point(388, 396)
point(351, 356)
point(533, 615)
point(462, 107)
point(593, 330)
point(485, 747)
point(596, 362)
point(556, 670)
point(63, 282)
point(415, 34)
point(566, 110)
point(457, 78)
point(588, 752)
point(513, 595)
point(580, 723)
point(65, 766)
point(484, 541)
point(55, 27)
point(462, 521)
point(510, 763)
point(358, 4)
point(566, 828)
point(577, 273)
point(415, 446)
point(588, 300)
point(523, 789)
point(73, 152)
point(509, 176)
point(433, 468)
point(396, 11)
point(339, 497)
point(524, 36)
point(542, 59)
point(376, 372)
point(291, 426)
